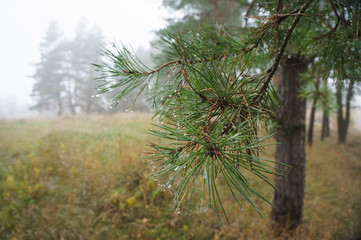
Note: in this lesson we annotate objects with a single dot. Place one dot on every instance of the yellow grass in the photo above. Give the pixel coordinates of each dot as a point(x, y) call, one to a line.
point(84, 178)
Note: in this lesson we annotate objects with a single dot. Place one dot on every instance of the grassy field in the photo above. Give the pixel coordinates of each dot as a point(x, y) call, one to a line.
point(85, 178)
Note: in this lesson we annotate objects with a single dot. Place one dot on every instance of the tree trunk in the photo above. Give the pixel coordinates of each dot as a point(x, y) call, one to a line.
point(87, 107)
point(70, 97)
point(325, 131)
point(60, 106)
point(340, 120)
point(71, 104)
point(312, 121)
point(313, 112)
point(348, 108)
point(328, 124)
point(288, 200)
point(218, 10)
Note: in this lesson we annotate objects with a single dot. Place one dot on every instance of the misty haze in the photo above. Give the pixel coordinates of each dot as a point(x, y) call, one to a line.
point(177, 119)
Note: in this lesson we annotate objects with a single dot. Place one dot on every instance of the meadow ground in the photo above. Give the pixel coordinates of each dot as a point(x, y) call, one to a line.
point(85, 177)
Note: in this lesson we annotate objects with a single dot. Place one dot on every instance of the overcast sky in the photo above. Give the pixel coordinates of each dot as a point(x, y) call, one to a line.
point(23, 22)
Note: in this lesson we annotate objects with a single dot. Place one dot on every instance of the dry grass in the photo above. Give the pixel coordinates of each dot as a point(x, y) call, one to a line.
point(84, 178)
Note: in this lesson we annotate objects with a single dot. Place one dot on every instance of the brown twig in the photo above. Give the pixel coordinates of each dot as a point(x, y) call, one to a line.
point(250, 6)
point(274, 67)
point(281, 15)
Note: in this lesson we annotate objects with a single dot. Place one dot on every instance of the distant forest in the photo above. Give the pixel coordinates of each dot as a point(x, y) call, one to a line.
point(66, 81)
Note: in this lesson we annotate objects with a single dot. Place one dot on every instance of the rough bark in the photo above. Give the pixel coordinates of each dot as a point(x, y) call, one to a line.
point(288, 199)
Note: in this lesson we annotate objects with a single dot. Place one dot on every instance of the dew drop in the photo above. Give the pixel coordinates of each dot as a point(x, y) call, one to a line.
point(162, 187)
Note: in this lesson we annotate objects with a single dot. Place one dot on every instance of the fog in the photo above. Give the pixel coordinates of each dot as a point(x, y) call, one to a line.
point(23, 23)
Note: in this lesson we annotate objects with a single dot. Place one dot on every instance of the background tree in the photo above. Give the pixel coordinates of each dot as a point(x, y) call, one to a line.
point(344, 95)
point(319, 93)
point(85, 50)
point(198, 12)
point(64, 76)
point(47, 91)
point(341, 46)
point(306, 44)
point(313, 110)
point(327, 103)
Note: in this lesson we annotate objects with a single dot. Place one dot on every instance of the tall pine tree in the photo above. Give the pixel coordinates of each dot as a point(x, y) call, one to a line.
point(47, 91)
point(65, 74)
point(218, 95)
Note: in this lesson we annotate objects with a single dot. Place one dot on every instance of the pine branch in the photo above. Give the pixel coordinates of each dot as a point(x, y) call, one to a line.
point(206, 111)
point(153, 71)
